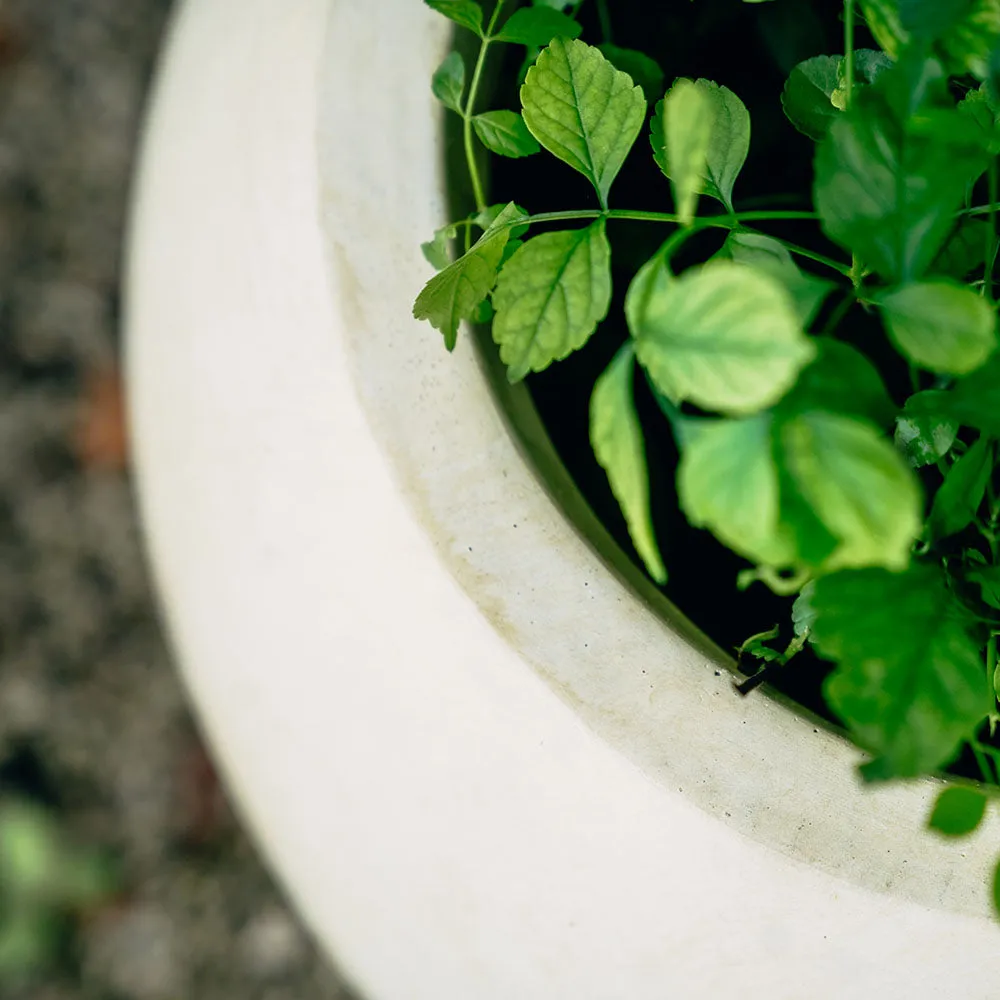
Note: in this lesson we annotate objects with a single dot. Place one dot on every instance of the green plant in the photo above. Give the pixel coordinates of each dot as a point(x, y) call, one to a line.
point(43, 880)
point(881, 514)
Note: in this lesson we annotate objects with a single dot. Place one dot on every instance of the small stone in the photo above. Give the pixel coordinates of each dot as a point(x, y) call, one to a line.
point(271, 943)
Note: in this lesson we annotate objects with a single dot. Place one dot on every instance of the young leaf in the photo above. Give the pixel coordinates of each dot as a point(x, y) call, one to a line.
point(551, 295)
point(958, 811)
point(616, 437)
point(924, 437)
point(909, 682)
point(700, 142)
point(467, 13)
point(940, 325)
point(504, 133)
point(537, 26)
point(644, 71)
point(803, 612)
point(583, 110)
point(974, 401)
point(448, 82)
point(723, 336)
point(454, 295)
point(757, 646)
point(961, 494)
point(857, 485)
point(840, 380)
point(767, 254)
point(889, 179)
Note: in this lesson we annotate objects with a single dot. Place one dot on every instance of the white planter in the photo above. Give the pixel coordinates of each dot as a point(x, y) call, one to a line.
point(485, 765)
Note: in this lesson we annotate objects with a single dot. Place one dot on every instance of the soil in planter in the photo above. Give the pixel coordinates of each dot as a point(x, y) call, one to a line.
point(749, 48)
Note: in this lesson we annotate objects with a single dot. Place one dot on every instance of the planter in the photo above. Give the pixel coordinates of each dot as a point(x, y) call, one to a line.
point(486, 759)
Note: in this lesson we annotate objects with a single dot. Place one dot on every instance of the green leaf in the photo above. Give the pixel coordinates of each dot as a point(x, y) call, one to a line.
point(889, 178)
point(771, 255)
point(467, 13)
point(961, 494)
point(757, 646)
point(976, 106)
point(909, 683)
point(988, 578)
point(537, 26)
point(940, 325)
point(958, 811)
point(806, 97)
point(583, 110)
point(840, 380)
point(437, 251)
point(723, 335)
point(504, 133)
point(551, 295)
point(727, 481)
point(857, 485)
point(816, 490)
point(963, 33)
point(644, 71)
point(995, 887)
point(924, 437)
point(803, 612)
point(454, 295)
point(616, 437)
point(814, 94)
point(448, 82)
point(965, 250)
point(700, 136)
point(974, 401)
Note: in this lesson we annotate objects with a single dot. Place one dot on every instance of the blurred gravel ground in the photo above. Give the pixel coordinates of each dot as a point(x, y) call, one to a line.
point(91, 717)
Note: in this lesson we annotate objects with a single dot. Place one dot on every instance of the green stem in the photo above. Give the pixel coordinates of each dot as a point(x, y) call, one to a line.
point(602, 13)
point(848, 52)
point(469, 113)
point(838, 314)
point(984, 767)
point(991, 235)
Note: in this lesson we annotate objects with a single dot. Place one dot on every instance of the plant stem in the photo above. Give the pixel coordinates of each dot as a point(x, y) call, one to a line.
point(469, 113)
point(977, 751)
point(991, 235)
point(848, 52)
point(602, 13)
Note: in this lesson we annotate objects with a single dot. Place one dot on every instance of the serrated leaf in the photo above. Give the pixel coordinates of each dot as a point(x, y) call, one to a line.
point(504, 133)
point(454, 295)
point(467, 13)
point(723, 335)
point(550, 297)
point(643, 70)
point(767, 254)
point(909, 683)
point(616, 437)
point(961, 494)
point(583, 110)
point(958, 811)
point(700, 142)
point(924, 437)
point(978, 108)
point(537, 26)
point(857, 485)
point(448, 82)
point(940, 325)
point(889, 177)
point(840, 380)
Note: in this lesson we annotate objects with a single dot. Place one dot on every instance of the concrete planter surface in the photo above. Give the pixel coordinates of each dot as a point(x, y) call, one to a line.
point(485, 764)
